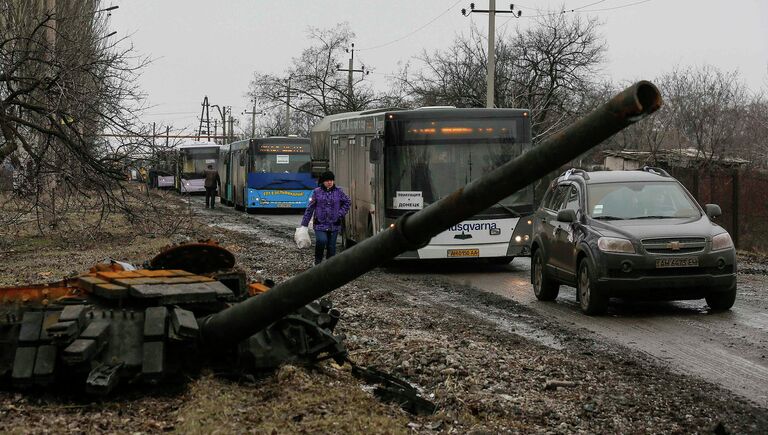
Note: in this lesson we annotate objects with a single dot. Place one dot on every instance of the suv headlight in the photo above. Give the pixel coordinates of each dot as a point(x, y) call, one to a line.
point(612, 244)
point(721, 241)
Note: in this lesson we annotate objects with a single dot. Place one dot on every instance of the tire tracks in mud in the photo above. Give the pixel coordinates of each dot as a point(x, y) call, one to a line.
point(685, 349)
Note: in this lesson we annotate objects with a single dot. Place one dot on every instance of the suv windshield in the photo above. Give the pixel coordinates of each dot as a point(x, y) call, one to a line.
point(640, 200)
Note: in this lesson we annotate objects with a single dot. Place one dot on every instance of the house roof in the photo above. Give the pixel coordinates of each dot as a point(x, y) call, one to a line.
point(675, 157)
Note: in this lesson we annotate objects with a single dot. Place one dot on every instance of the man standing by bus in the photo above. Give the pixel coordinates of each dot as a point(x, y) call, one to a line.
point(212, 181)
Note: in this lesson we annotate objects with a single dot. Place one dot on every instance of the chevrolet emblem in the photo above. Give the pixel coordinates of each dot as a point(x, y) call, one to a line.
point(674, 246)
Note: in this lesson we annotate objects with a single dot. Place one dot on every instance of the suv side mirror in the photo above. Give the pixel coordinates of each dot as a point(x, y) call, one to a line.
point(568, 215)
point(713, 210)
point(376, 148)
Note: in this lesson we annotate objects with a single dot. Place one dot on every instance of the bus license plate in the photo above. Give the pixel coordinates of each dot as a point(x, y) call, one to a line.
point(463, 253)
point(677, 262)
point(284, 205)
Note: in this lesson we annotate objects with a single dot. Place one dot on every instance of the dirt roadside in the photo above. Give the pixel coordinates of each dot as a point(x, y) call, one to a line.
point(470, 352)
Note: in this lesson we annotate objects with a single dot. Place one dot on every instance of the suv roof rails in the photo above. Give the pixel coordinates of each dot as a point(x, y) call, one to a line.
point(572, 171)
point(654, 170)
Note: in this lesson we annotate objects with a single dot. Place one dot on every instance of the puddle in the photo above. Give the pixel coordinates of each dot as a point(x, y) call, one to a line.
point(755, 320)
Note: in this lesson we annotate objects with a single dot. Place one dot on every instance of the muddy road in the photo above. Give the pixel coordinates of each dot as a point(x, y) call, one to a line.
point(729, 349)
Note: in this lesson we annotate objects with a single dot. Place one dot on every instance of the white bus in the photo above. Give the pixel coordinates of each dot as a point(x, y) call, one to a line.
point(194, 158)
point(394, 162)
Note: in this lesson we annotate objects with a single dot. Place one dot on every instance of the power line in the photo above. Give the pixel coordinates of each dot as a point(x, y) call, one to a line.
point(618, 7)
point(169, 113)
point(579, 9)
point(414, 31)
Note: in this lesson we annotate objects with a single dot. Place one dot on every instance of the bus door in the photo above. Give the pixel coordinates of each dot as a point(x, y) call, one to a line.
point(240, 171)
point(360, 176)
point(225, 185)
point(365, 188)
point(341, 159)
point(357, 186)
point(377, 188)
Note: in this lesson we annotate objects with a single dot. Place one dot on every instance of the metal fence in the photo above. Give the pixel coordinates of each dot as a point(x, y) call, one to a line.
point(740, 193)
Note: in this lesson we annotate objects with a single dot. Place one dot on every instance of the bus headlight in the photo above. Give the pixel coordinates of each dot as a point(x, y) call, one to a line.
point(613, 244)
point(721, 241)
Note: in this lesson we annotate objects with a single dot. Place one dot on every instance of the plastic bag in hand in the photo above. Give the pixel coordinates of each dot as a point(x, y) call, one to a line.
point(302, 237)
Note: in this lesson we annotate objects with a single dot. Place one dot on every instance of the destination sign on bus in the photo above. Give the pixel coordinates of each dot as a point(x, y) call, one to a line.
point(281, 148)
point(464, 129)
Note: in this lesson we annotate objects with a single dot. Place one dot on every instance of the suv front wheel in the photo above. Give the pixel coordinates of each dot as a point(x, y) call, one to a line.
point(592, 301)
point(544, 287)
point(721, 301)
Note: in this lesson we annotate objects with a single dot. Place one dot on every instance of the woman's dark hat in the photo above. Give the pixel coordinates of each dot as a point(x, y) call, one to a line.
point(325, 176)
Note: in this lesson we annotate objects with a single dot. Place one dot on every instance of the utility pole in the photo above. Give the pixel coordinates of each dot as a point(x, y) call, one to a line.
point(253, 114)
point(352, 70)
point(490, 76)
point(231, 126)
point(205, 118)
point(223, 114)
point(288, 108)
point(288, 94)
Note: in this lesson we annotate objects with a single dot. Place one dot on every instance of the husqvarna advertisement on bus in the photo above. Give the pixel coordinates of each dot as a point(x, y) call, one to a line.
point(474, 238)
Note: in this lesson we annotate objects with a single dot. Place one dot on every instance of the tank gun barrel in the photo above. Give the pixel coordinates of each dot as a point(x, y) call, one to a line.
point(413, 231)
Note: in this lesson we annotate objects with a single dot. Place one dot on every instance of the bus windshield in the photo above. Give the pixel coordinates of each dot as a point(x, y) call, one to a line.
point(281, 163)
point(196, 160)
point(435, 171)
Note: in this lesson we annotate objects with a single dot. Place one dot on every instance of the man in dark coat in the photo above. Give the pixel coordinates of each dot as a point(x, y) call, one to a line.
point(329, 204)
point(212, 181)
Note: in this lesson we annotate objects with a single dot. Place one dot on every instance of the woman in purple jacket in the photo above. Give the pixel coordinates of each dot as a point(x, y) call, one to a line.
point(329, 204)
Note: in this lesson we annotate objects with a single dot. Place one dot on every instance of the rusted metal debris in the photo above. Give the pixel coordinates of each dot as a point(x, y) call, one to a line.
point(201, 257)
point(110, 324)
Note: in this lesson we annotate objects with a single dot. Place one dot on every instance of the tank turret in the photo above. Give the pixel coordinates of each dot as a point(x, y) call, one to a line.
point(178, 313)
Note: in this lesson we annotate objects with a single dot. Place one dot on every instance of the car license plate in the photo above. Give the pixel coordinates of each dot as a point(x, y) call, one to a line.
point(677, 262)
point(463, 253)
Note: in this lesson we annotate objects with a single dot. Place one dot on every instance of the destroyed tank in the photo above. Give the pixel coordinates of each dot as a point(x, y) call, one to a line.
point(188, 308)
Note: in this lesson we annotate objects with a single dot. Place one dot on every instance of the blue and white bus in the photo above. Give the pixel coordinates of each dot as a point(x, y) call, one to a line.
point(272, 172)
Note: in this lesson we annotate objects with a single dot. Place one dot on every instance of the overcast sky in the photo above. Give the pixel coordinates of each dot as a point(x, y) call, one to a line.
point(213, 48)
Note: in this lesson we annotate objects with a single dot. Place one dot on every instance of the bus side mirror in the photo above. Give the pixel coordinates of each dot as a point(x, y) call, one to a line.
point(375, 152)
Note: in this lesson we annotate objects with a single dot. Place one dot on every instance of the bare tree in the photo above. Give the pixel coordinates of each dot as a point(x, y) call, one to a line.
point(68, 107)
point(652, 136)
point(313, 82)
point(707, 106)
point(547, 69)
point(751, 142)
